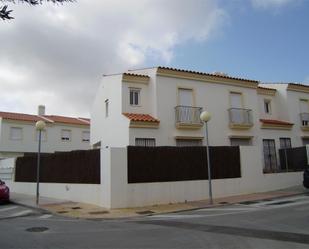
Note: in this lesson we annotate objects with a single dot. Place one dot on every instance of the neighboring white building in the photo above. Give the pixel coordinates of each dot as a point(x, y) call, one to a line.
point(18, 133)
point(161, 106)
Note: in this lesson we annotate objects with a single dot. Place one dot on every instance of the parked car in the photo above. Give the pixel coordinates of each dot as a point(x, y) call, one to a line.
point(4, 192)
point(306, 178)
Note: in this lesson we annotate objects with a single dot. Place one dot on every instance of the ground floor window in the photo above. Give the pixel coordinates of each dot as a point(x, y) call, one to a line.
point(189, 142)
point(147, 142)
point(241, 141)
point(270, 157)
point(285, 142)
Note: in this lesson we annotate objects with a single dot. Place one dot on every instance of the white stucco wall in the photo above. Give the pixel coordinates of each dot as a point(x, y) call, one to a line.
point(111, 130)
point(123, 195)
point(29, 143)
point(86, 193)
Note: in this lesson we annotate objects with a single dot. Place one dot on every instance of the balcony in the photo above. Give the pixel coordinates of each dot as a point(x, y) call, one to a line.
point(188, 117)
point(240, 118)
point(304, 120)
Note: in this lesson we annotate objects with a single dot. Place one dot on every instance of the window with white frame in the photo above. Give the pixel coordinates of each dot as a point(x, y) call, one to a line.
point(267, 106)
point(146, 142)
point(135, 96)
point(106, 108)
point(16, 133)
point(66, 135)
point(85, 136)
point(43, 135)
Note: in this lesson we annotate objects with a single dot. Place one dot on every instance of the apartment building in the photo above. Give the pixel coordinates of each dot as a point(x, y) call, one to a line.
point(18, 134)
point(161, 106)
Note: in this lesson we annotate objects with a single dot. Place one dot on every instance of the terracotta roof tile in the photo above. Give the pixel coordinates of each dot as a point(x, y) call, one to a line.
point(275, 122)
point(67, 120)
point(208, 74)
point(46, 118)
point(141, 117)
point(138, 75)
point(267, 88)
point(21, 117)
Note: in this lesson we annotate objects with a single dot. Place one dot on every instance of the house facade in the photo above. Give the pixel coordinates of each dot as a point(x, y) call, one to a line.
point(18, 134)
point(161, 107)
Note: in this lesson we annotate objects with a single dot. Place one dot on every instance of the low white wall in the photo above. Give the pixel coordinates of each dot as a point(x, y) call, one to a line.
point(7, 168)
point(119, 194)
point(87, 193)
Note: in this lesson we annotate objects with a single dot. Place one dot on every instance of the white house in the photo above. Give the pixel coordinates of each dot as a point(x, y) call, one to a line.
point(161, 106)
point(19, 135)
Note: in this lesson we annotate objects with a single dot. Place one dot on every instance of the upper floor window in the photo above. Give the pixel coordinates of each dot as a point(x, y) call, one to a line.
point(85, 136)
point(135, 96)
point(16, 133)
point(267, 106)
point(106, 108)
point(43, 135)
point(66, 135)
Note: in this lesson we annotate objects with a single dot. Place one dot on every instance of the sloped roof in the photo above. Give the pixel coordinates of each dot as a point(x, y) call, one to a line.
point(141, 117)
point(46, 118)
point(275, 122)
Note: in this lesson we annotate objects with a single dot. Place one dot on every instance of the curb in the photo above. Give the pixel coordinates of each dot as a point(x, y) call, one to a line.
point(41, 210)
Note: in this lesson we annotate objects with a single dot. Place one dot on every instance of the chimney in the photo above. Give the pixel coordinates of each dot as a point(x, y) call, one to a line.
point(41, 110)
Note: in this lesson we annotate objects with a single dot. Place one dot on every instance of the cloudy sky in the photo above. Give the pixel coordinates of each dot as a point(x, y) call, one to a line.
point(56, 55)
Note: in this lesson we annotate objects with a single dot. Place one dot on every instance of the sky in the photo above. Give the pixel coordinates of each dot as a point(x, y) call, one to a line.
point(55, 55)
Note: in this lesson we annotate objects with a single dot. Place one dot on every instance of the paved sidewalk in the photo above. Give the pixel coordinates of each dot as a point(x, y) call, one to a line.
point(88, 211)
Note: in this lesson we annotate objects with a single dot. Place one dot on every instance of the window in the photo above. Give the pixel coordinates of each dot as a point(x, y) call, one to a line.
point(188, 142)
point(241, 141)
point(267, 106)
point(147, 142)
point(270, 157)
point(16, 133)
point(66, 135)
point(85, 136)
point(304, 111)
point(106, 107)
point(43, 135)
point(135, 96)
point(236, 100)
point(285, 142)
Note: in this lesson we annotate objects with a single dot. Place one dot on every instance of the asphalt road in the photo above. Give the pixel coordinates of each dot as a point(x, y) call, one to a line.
point(280, 223)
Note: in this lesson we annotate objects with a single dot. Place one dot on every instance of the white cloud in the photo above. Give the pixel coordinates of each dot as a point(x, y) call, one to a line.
point(265, 4)
point(55, 55)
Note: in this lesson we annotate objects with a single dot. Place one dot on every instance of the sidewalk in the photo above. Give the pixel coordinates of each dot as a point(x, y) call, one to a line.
point(88, 211)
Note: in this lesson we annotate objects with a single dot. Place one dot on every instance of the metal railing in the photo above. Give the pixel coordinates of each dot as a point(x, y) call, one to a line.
point(188, 115)
point(304, 119)
point(240, 116)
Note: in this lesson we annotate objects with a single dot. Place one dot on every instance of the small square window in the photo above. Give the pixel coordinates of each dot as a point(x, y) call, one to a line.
point(135, 96)
point(267, 106)
point(16, 133)
point(66, 135)
point(85, 136)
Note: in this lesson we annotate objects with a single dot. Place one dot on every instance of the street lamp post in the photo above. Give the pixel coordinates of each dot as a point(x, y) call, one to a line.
point(205, 117)
point(40, 126)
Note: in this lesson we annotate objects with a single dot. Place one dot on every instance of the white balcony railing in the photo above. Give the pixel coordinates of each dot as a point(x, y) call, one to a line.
point(239, 116)
point(188, 115)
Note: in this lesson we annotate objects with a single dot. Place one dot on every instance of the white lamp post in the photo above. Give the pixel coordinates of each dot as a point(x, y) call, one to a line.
point(40, 126)
point(205, 117)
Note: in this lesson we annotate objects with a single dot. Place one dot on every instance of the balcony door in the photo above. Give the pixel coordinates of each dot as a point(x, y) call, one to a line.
point(236, 108)
point(185, 97)
point(304, 110)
